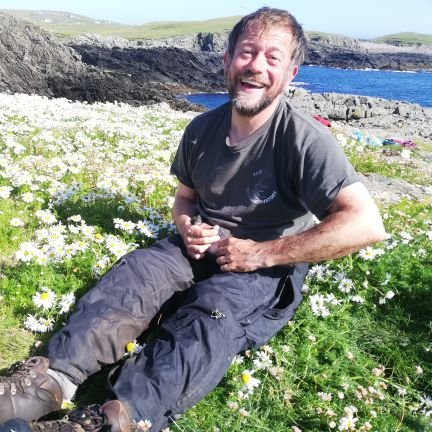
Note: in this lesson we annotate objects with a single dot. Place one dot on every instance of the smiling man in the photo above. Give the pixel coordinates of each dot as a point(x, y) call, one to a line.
point(253, 175)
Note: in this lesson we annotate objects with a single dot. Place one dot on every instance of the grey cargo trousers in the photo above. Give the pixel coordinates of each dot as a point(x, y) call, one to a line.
point(219, 315)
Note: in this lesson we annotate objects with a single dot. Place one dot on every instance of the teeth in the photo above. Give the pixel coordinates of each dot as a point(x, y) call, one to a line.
point(252, 83)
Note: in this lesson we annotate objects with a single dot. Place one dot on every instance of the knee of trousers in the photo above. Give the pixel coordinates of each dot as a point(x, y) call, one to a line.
point(190, 356)
point(207, 320)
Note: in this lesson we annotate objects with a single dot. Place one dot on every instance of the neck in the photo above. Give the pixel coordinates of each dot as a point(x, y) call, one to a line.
point(243, 126)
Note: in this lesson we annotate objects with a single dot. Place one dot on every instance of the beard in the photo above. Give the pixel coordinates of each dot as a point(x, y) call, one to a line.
point(242, 103)
point(246, 108)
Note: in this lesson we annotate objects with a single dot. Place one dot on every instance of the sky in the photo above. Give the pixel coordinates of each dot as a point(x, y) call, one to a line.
point(360, 19)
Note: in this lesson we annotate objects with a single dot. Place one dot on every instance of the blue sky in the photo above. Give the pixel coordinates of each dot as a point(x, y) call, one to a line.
point(364, 18)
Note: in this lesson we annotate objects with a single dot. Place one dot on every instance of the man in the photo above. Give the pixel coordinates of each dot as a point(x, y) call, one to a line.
point(252, 174)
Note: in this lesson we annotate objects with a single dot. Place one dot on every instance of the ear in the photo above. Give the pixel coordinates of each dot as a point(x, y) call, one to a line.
point(294, 71)
point(292, 74)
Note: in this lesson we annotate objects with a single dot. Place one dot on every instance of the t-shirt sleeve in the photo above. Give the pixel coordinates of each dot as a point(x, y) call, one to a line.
point(322, 173)
point(181, 164)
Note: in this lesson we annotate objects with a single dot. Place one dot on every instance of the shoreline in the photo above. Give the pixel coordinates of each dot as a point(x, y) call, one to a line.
point(384, 118)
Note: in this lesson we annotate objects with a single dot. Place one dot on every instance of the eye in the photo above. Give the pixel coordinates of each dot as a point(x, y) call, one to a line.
point(246, 52)
point(275, 58)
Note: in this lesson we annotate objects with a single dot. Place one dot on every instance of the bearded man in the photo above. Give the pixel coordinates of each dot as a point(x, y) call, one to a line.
point(253, 176)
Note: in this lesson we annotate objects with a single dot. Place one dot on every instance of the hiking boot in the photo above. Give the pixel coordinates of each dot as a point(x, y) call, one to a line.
point(110, 417)
point(28, 391)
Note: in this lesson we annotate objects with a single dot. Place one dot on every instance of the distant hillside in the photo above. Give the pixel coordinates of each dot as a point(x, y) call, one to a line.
point(405, 39)
point(162, 30)
point(69, 24)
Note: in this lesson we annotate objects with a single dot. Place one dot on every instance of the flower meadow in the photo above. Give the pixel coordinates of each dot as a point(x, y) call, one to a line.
point(81, 185)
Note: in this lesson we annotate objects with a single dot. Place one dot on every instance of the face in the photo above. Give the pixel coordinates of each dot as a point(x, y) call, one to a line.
point(259, 70)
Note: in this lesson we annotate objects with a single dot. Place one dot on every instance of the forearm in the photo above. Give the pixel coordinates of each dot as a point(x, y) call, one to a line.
point(345, 230)
point(338, 235)
point(183, 211)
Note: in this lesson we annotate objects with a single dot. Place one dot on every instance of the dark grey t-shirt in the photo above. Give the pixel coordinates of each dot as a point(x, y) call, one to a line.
point(268, 185)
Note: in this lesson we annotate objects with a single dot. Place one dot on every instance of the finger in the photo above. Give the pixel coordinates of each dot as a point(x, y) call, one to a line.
point(223, 260)
point(202, 240)
point(221, 251)
point(203, 231)
point(198, 249)
point(197, 256)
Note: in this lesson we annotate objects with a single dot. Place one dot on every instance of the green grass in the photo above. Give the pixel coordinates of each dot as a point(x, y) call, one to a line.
point(156, 30)
point(405, 39)
point(372, 352)
point(64, 24)
point(386, 161)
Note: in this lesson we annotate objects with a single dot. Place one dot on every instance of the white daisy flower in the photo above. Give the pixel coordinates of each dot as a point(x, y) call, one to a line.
point(249, 381)
point(66, 302)
point(45, 325)
point(44, 299)
point(16, 222)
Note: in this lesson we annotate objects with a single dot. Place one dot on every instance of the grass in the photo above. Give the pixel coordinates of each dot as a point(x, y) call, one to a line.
point(64, 24)
point(405, 39)
point(359, 349)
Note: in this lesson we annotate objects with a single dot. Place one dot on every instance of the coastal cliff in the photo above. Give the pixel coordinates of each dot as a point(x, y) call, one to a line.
point(324, 50)
point(93, 69)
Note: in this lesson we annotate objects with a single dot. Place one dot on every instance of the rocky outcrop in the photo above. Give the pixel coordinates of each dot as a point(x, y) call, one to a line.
point(401, 118)
point(347, 53)
point(206, 42)
point(324, 50)
point(33, 61)
point(178, 68)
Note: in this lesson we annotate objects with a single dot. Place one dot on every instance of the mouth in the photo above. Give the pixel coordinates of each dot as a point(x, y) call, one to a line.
point(248, 83)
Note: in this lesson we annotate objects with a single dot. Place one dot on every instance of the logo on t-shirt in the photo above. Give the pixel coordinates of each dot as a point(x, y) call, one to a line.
point(262, 189)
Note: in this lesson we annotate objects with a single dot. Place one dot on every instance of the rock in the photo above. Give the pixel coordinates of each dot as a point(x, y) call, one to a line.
point(172, 66)
point(348, 53)
point(398, 118)
point(391, 190)
point(95, 68)
point(323, 50)
point(33, 61)
point(32, 58)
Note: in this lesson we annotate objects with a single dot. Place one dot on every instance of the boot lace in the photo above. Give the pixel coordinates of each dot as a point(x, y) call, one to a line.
point(91, 418)
point(18, 376)
point(86, 419)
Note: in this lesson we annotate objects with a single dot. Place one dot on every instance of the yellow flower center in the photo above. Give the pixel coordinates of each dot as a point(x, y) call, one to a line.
point(246, 378)
point(44, 296)
point(130, 347)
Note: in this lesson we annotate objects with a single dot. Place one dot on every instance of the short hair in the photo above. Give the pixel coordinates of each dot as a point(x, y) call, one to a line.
point(265, 18)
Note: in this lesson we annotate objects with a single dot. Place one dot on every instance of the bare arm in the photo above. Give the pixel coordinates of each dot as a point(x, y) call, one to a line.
point(353, 222)
point(197, 239)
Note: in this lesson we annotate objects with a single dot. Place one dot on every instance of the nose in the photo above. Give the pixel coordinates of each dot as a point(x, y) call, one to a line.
point(257, 63)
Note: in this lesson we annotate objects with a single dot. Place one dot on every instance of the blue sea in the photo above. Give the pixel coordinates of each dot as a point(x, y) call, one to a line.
point(413, 87)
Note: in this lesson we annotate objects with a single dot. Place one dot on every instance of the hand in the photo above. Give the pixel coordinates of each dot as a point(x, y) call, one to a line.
point(198, 238)
point(238, 255)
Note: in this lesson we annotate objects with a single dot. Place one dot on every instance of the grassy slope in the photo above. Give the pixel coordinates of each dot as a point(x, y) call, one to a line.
point(67, 24)
point(405, 38)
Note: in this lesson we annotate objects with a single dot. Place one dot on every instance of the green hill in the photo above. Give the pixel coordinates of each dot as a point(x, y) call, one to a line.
point(69, 24)
point(405, 39)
